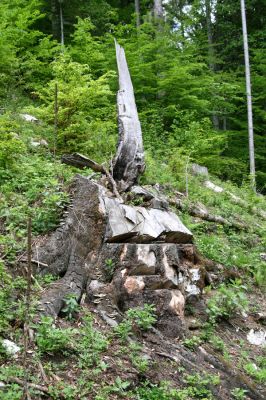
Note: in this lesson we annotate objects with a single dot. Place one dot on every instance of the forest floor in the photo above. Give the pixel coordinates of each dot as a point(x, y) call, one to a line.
point(79, 356)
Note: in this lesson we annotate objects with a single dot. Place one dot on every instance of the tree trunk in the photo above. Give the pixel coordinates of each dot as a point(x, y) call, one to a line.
point(151, 251)
point(128, 163)
point(249, 98)
point(61, 23)
point(158, 9)
point(54, 20)
point(137, 12)
point(211, 54)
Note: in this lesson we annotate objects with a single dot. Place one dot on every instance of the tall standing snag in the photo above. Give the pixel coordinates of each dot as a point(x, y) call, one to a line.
point(249, 98)
point(128, 163)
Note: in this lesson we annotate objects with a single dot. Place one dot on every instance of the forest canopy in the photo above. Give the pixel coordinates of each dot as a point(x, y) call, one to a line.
point(187, 65)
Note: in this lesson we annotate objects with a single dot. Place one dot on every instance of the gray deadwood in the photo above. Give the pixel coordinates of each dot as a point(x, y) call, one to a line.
point(249, 97)
point(128, 163)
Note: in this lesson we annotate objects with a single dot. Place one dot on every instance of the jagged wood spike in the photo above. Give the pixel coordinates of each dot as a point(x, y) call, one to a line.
point(128, 163)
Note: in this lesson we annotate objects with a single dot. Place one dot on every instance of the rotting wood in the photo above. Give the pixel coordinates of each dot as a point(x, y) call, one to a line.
point(69, 251)
point(198, 212)
point(128, 163)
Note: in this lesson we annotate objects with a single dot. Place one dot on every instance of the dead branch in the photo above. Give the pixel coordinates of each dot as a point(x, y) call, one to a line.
point(80, 161)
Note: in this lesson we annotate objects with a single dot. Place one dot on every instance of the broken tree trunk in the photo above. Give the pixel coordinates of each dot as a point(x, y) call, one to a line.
point(99, 227)
point(128, 163)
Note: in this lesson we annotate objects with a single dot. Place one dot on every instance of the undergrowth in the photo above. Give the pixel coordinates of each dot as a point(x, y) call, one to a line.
point(34, 183)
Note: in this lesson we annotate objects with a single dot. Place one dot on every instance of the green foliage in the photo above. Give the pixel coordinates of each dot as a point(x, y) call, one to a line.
point(91, 345)
point(257, 370)
point(163, 391)
point(31, 184)
point(14, 392)
point(86, 120)
point(144, 317)
point(109, 266)
point(85, 48)
point(192, 343)
point(52, 340)
point(197, 387)
point(119, 386)
point(17, 37)
point(138, 361)
point(71, 306)
point(11, 145)
point(227, 301)
point(239, 394)
point(141, 317)
point(196, 138)
point(12, 305)
point(123, 330)
point(56, 391)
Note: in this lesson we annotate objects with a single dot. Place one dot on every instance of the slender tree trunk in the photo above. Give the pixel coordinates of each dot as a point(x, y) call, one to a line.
point(249, 98)
point(209, 34)
point(158, 9)
point(55, 117)
point(137, 11)
point(61, 23)
point(181, 13)
point(54, 19)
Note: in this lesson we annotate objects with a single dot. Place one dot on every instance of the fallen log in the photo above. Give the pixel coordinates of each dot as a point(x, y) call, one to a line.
point(202, 213)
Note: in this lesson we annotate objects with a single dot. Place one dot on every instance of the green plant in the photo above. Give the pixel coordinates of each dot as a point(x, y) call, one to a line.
point(71, 306)
point(68, 392)
point(217, 343)
point(119, 386)
point(123, 330)
point(140, 363)
point(144, 317)
point(91, 345)
point(162, 391)
point(50, 339)
point(238, 393)
point(109, 268)
point(192, 343)
point(11, 391)
point(257, 371)
point(199, 385)
point(227, 301)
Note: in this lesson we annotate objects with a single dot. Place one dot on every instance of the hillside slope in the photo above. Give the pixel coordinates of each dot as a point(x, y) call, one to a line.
point(219, 350)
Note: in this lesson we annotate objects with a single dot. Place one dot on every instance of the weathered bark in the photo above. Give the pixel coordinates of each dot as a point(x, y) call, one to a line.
point(70, 250)
point(141, 225)
point(150, 243)
point(128, 163)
